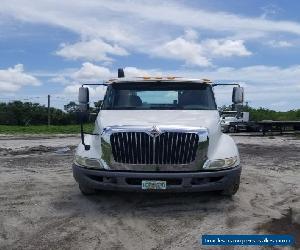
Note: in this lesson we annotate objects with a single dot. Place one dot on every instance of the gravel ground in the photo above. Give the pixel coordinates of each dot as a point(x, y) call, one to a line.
point(42, 208)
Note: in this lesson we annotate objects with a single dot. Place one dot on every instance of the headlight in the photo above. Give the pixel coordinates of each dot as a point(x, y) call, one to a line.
point(220, 163)
point(87, 162)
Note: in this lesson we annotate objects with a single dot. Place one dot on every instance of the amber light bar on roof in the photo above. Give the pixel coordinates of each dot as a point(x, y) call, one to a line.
point(168, 78)
point(159, 77)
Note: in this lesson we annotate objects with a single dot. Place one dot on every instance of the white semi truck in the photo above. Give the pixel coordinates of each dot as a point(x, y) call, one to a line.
point(157, 134)
point(233, 121)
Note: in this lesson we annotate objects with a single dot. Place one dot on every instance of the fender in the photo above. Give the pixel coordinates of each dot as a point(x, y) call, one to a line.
point(95, 149)
point(224, 148)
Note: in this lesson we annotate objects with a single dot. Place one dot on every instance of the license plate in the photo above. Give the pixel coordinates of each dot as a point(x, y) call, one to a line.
point(154, 184)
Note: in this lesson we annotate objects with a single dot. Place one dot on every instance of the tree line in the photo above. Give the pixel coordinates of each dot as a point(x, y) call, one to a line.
point(28, 113)
point(267, 114)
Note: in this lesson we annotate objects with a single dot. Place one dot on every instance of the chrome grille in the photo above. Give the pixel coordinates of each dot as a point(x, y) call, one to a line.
point(141, 148)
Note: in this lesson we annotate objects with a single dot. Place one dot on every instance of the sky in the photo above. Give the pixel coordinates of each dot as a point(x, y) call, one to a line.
point(49, 47)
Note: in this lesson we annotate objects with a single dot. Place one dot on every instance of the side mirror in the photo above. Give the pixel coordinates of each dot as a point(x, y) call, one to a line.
point(238, 95)
point(83, 99)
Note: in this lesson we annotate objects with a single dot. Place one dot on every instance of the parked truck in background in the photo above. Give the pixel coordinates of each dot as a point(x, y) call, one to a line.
point(233, 121)
point(236, 121)
point(157, 134)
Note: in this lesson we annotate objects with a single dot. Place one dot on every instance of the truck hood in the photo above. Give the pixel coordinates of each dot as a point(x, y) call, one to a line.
point(195, 118)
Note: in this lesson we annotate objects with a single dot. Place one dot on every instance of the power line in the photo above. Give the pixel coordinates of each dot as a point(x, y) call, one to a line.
point(34, 98)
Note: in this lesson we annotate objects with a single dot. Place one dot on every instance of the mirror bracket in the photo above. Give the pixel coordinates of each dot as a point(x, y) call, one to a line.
point(82, 133)
point(84, 107)
point(86, 147)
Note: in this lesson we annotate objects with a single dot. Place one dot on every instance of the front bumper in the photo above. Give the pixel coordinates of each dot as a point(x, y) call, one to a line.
point(176, 181)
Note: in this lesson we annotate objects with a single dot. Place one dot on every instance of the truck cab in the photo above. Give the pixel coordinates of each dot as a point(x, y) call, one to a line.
point(233, 120)
point(235, 116)
point(157, 134)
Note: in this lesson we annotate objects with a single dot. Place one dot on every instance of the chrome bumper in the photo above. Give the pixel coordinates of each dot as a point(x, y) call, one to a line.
point(176, 182)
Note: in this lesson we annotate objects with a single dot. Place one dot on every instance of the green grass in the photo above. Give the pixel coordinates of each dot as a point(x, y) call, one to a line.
point(44, 129)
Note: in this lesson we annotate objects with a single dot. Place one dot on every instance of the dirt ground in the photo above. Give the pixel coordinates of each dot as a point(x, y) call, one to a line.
point(41, 206)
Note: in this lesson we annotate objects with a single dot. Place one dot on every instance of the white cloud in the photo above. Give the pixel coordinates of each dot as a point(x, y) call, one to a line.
point(115, 27)
point(136, 72)
point(279, 44)
point(88, 73)
point(72, 89)
point(93, 50)
point(191, 34)
point(277, 76)
point(60, 79)
point(169, 12)
point(190, 52)
point(91, 73)
point(12, 79)
point(194, 53)
point(226, 48)
point(76, 15)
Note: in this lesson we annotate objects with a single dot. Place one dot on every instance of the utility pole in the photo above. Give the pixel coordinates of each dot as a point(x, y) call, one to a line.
point(48, 110)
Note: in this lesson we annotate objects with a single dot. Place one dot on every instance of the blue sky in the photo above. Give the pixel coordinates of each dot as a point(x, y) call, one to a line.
point(50, 48)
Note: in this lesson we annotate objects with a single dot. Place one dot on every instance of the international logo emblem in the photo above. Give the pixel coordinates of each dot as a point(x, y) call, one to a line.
point(154, 132)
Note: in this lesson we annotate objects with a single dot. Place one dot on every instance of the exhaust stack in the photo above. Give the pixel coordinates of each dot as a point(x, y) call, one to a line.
point(121, 73)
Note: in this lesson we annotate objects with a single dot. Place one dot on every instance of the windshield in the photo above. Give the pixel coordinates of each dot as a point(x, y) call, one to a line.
point(159, 95)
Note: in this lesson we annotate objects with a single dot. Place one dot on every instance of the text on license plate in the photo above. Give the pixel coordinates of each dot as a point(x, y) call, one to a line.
point(150, 184)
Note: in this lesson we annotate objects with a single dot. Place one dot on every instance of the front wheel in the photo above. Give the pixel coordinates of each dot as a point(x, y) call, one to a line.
point(86, 190)
point(232, 189)
point(232, 129)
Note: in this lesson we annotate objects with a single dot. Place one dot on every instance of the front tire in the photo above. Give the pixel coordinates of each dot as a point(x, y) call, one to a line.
point(232, 189)
point(232, 129)
point(86, 190)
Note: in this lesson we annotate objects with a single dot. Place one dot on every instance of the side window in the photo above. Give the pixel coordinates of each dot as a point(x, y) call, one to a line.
point(108, 98)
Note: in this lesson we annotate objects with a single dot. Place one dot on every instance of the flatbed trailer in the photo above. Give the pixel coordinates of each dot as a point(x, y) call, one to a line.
point(280, 126)
point(235, 127)
point(263, 126)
